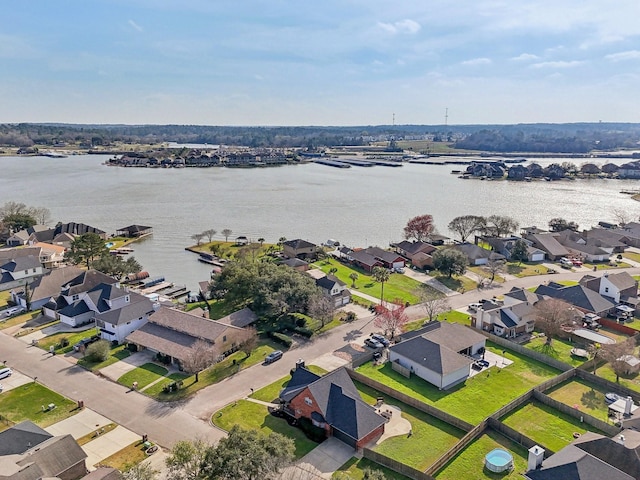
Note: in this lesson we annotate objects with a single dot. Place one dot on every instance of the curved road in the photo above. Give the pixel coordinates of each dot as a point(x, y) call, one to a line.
point(166, 423)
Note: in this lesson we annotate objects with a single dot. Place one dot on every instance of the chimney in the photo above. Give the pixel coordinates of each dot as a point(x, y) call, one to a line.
point(299, 364)
point(621, 439)
point(628, 404)
point(536, 455)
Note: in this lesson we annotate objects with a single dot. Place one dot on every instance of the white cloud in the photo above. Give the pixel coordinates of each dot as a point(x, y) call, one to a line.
point(407, 26)
point(622, 56)
point(558, 64)
point(477, 61)
point(135, 26)
point(523, 57)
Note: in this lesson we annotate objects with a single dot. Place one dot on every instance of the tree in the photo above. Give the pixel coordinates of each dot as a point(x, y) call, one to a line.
point(370, 474)
point(98, 351)
point(450, 261)
point(197, 237)
point(186, 460)
point(116, 266)
point(227, 233)
point(209, 234)
point(550, 314)
point(380, 275)
point(499, 225)
point(391, 320)
point(622, 216)
point(353, 276)
point(141, 471)
point(201, 356)
point(215, 248)
point(250, 342)
point(466, 225)
point(615, 355)
point(333, 270)
point(419, 228)
point(321, 308)
point(86, 249)
point(41, 214)
point(594, 350)
point(494, 266)
point(519, 252)
point(261, 241)
point(433, 302)
point(590, 169)
point(281, 241)
point(559, 224)
point(248, 455)
point(18, 221)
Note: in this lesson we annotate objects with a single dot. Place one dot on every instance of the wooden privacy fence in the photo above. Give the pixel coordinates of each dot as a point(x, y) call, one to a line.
point(394, 465)
point(472, 435)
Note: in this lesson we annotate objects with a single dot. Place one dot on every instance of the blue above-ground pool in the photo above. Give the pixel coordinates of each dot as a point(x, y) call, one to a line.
point(498, 460)
point(109, 244)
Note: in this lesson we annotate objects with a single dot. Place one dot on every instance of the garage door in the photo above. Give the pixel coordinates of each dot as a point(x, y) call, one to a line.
point(343, 437)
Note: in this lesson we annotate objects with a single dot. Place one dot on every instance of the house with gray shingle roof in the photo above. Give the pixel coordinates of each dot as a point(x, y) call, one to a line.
point(440, 353)
point(579, 296)
point(618, 287)
point(334, 289)
point(300, 249)
point(477, 255)
point(548, 243)
point(510, 318)
point(333, 403)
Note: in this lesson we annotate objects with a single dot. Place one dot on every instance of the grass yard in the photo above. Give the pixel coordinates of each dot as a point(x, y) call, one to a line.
point(630, 381)
point(526, 269)
point(452, 316)
point(480, 395)
point(398, 286)
point(144, 375)
point(354, 469)
point(470, 462)
point(559, 349)
point(127, 457)
point(5, 295)
point(90, 436)
point(430, 438)
point(482, 272)
point(73, 338)
point(117, 353)
point(606, 265)
point(587, 397)
point(25, 403)
point(635, 324)
point(457, 283)
point(229, 366)
point(546, 426)
point(633, 256)
point(19, 320)
point(252, 415)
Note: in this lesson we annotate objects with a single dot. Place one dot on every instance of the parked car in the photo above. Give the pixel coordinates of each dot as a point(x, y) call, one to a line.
point(85, 342)
point(13, 311)
point(483, 362)
point(371, 343)
point(474, 307)
point(399, 269)
point(381, 339)
point(576, 263)
point(476, 366)
point(5, 372)
point(273, 356)
point(612, 397)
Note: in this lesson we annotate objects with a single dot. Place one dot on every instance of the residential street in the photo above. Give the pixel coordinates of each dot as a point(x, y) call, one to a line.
point(168, 423)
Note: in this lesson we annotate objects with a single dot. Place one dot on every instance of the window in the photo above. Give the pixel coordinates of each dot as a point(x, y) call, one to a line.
point(224, 338)
point(75, 297)
point(34, 270)
point(606, 289)
point(126, 299)
point(308, 401)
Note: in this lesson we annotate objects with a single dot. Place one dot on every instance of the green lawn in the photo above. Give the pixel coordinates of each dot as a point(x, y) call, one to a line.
point(5, 295)
point(633, 256)
point(398, 286)
point(271, 391)
point(429, 440)
point(452, 316)
point(72, 338)
point(482, 272)
point(256, 416)
point(480, 395)
point(25, 403)
point(470, 462)
point(457, 283)
point(127, 457)
point(156, 391)
point(144, 375)
point(526, 269)
point(354, 470)
point(559, 349)
point(630, 381)
point(117, 353)
point(19, 320)
point(585, 396)
point(546, 426)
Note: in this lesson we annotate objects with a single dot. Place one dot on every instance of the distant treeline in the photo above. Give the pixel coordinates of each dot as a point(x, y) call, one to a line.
point(565, 138)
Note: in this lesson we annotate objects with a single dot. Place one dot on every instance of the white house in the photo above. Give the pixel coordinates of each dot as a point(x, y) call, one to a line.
point(334, 289)
point(127, 312)
point(439, 353)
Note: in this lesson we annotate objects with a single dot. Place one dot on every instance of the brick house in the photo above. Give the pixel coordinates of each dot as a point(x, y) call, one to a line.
point(333, 403)
point(300, 249)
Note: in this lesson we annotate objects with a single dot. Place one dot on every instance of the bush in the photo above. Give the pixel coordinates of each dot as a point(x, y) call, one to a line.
point(64, 342)
point(98, 351)
point(317, 434)
point(305, 332)
point(301, 322)
point(285, 340)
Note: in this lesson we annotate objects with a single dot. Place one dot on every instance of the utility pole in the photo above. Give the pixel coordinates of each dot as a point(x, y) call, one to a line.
point(446, 116)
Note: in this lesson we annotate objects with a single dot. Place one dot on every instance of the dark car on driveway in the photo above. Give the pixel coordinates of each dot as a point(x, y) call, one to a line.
point(371, 343)
point(380, 339)
point(85, 342)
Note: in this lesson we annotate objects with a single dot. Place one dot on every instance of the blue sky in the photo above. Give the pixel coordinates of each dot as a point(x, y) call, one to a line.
point(330, 62)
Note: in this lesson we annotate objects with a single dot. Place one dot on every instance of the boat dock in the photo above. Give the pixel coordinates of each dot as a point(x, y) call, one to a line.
point(332, 163)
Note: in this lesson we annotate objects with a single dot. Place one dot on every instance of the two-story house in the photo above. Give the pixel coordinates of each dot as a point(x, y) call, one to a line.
point(620, 288)
point(19, 266)
point(300, 249)
point(334, 289)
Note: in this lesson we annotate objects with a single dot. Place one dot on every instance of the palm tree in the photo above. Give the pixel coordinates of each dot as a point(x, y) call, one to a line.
point(353, 276)
point(381, 274)
point(332, 270)
point(281, 241)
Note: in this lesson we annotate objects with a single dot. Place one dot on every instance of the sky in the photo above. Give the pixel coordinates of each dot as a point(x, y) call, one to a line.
point(329, 62)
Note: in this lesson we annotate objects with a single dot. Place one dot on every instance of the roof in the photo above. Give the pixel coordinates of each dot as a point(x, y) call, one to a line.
point(241, 319)
point(138, 307)
point(86, 281)
point(134, 229)
point(523, 295)
point(384, 255)
point(549, 243)
point(21, 437)
point(578, 465)
point(472, 251)
point(104, 473)
point(50, 247)
point(298, 243)
point(414, 247)
point(300, 378)
point(21, 263)
point(434, 356)
point(364, 258)
point(578, 296)
point(294, 262)
point(193, 325)
point(328, 282)
point(53, 456)
point(622, 280)
point(50, 284)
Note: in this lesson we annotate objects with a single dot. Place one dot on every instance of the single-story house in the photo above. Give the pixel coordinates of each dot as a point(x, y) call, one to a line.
point(440, 353)
point(364, 260)
point(174, 334)
point(409, 249)
point(579, 296)
point(296, 264)
point(334, 289)
point(134, 231)
point(300, 249)
point(333, 403)
point(504, 246)
point(389, 259)
point(548, 242)
point(241, 319)
point(477, 255)
point(590, 250)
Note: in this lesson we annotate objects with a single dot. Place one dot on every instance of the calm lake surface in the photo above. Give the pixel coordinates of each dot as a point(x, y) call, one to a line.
point(356, 206)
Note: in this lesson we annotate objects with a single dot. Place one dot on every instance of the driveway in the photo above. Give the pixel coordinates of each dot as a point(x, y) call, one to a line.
point(16, 379)
point(321, 462)
point(116, 370)
point(107, 444)
point(79, 425)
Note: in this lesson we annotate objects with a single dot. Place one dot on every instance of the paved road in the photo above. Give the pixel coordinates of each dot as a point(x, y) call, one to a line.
point(168, 423)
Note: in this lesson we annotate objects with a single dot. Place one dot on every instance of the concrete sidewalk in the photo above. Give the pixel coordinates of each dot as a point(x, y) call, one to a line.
point(106, 445)
point(79, 425)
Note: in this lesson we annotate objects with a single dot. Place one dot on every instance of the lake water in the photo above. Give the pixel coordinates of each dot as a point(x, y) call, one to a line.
point(356, 206)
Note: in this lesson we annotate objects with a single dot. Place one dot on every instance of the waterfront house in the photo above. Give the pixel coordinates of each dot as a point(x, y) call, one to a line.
point(548, 243)
point(134, 231)
point(418, 253)
point(477, 255)
point(588, 249)
point(334, 289)
point(119, 312)
point(296, 264)
point(301, 249)
point(332, 403)
point(387, 258)
point(174, 334)
point(629, 170)
point(504, 246)
point(45, 288)
point(51, 256)
point(241, 318)
point(439, 353)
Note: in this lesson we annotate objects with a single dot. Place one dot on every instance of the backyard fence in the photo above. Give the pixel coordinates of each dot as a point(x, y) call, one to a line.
point(617, 327)
point(577, 414)
point(394, 465)
point(361, 359)
point(472, 435)
point(516, 436)
point(557, 380)
point(423, 407)
point(404, 371)
point(521, 400)
point(608, 385)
